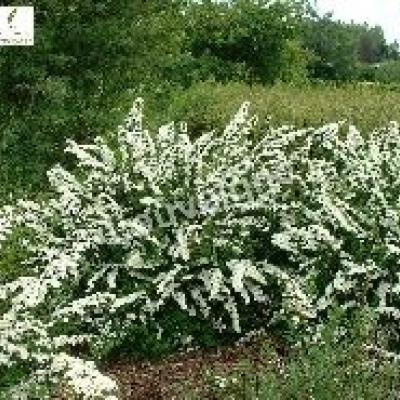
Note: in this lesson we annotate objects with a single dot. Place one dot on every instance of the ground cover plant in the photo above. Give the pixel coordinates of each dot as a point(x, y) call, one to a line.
point(337, 367)
point(388, 72)
point(224, 227)
point(208, 105)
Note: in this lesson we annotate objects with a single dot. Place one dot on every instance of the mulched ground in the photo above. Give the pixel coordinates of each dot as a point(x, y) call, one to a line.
point(165, 379)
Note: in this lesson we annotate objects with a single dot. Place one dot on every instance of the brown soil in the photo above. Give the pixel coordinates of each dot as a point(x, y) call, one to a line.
point(165, 379)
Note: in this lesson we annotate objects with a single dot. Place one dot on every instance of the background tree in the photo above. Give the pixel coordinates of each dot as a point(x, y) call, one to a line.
point(92, 57)
point(333, 46)
point(393, 51)
point(243, 39)
point(372, 46)
point(77, 80)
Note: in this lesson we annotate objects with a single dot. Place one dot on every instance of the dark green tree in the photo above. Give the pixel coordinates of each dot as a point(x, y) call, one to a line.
point(334, 46)
point(243, 39)
point(372, 46)
point(89, 58)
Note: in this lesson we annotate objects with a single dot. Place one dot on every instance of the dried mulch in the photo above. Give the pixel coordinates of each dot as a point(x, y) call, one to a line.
point(166, 378)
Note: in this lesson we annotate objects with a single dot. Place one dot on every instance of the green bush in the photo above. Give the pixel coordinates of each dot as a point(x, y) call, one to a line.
point(247, 40)
point(388, 72)
point(78, 85)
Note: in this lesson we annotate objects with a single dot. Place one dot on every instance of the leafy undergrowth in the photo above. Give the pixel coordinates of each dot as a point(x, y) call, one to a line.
point(337, 367)
point(208, 105)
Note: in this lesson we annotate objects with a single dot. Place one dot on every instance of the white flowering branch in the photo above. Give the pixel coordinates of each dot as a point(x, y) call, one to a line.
point(294, 221)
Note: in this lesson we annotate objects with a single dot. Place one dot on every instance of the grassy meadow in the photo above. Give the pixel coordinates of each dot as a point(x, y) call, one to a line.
point(207, 105)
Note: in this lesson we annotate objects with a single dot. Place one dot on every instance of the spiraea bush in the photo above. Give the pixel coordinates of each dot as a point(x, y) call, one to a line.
point(229, 227)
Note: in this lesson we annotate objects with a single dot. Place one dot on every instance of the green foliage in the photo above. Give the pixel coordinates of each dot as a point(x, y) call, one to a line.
point(334, 46)
point(336, 367)
point(295, 60)
point(12, 256)
point(244, 39)
point(80, 85)
point(172, 330)
point(304, 259)
point(338, 47)
point(388, 72)
point(372, 46)
point(208, 105)
point(77, 85)
point(17, 376)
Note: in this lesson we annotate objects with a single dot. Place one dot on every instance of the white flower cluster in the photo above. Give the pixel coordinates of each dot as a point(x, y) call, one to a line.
point(294, 221)
point(84, 378)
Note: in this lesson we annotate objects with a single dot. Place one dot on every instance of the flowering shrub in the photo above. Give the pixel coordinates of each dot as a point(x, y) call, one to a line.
point(294, 221)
